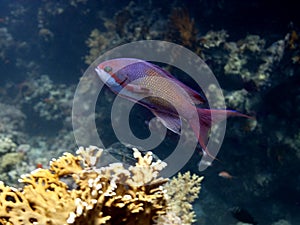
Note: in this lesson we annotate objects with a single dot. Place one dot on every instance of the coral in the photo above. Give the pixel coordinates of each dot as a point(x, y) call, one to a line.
point(293, 40)
point(235, 63)
point(252, 61)
point(180, 198)
point(11, 121)
point(181, 22)
point(252, 43)
point(236, 99)
point(128, 24)
point(217, 100)
point(131, 25)
point(170, 218)
point(74, 191)
point(6, 145)
point(97, 42)
point(214, 38)
point(10, 159)
point(293, 44)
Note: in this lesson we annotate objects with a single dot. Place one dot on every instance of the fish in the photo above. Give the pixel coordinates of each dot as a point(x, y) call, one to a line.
point(243, 215)
point(165, 96)
point(225, 175)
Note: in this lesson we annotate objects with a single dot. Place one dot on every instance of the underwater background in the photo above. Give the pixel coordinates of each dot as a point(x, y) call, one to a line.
point(252, 47)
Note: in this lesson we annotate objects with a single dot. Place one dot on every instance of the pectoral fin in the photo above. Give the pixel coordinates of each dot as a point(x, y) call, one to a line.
point(172, 122)
point(137, 89)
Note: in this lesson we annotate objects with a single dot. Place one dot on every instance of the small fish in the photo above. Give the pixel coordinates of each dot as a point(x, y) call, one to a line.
point(39, 165)
point(226, 175)
point(242, 215)
point(139, 79)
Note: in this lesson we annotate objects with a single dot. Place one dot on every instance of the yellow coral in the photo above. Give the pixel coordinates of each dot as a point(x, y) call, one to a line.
point(74, 191)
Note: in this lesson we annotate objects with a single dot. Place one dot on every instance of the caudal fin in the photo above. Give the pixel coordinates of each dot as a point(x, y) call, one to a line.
point(207, 118)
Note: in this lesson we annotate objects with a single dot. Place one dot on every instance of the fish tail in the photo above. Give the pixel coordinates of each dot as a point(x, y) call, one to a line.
point(207, 120)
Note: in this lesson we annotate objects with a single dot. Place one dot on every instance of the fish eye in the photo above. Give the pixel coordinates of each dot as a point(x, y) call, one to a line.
point(107, 69)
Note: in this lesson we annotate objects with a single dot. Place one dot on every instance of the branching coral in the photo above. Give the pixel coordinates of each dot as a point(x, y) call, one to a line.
point(180, 207)
point(74, 191)
point(182, 23)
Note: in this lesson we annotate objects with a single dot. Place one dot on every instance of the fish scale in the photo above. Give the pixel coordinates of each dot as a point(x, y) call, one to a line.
point(166, 89)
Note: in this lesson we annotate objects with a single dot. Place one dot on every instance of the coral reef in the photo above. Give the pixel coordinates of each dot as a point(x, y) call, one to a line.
point(128, 24)
point(257, 69)
point(246, 53)
point(12, 121)
point(35, 101)
point(50, 101)
point(74, 191)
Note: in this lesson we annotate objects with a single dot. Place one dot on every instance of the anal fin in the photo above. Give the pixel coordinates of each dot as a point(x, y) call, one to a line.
point(170, 121)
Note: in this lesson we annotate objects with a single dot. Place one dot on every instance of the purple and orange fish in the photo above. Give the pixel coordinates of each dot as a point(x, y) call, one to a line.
point(166, 97)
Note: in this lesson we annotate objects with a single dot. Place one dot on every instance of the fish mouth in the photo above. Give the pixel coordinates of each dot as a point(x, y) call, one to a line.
point(104, 76)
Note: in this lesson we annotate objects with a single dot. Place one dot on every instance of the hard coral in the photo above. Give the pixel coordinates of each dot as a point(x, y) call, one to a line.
point(180, 205)
point(90, 195)
point(250, 59)
point(214, 38)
